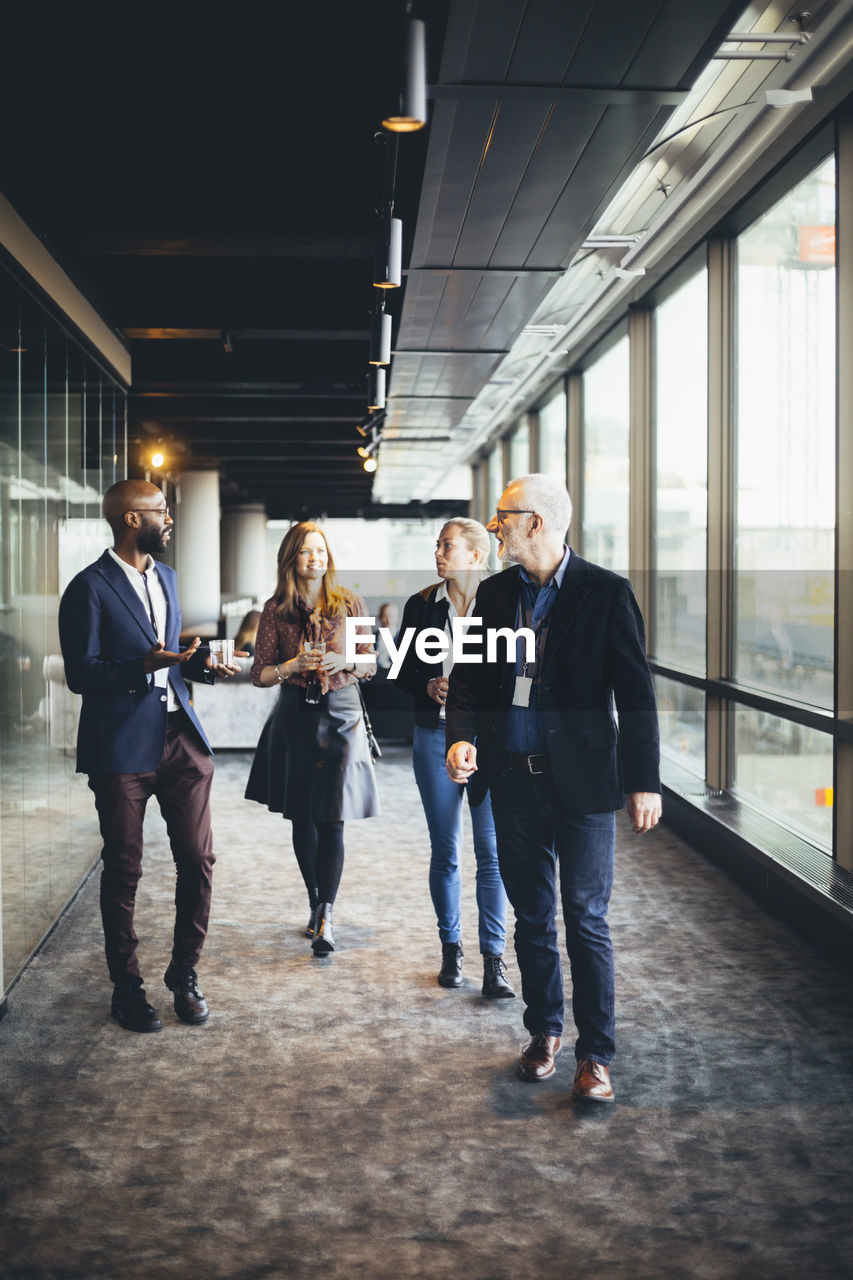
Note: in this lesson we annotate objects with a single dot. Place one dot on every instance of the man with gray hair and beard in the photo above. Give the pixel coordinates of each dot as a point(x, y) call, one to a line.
point(542, 737)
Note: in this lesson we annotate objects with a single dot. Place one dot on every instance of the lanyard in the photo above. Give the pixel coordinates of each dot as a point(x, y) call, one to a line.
point(524, 617)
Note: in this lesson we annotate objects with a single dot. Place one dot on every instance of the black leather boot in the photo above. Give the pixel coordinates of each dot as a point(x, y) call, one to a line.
point(451, 965)
point(324, 939)
point(131, 1009)
point(309, 928)
point(190, 1004)
point(495, 985)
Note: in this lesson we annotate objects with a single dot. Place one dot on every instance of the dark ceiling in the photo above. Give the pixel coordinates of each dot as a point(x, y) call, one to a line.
point(202, 172)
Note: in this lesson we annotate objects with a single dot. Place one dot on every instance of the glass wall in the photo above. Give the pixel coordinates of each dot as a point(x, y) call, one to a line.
point(681, 475)
point(785, 403)
point(519, 450)
point(606, 418)
point(62, 442)
point(553, 439)
point(785, 498)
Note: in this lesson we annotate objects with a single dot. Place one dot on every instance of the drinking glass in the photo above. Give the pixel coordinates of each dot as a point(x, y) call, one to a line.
point(222, 651)
point(315, 649)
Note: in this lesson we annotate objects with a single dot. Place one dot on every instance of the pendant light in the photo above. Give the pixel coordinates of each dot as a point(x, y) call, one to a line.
point(380, 337)
point(412, 112)
point(376, 388)
point(388, 258)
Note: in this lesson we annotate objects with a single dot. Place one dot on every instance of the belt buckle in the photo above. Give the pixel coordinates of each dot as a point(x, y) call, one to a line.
point(530, 759)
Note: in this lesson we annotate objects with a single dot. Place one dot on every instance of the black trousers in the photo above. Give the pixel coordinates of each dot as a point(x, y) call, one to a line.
point(181, 784)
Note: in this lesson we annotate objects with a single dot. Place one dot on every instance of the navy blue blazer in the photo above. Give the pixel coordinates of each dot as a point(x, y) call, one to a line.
point(105, 633)
point(594, 661)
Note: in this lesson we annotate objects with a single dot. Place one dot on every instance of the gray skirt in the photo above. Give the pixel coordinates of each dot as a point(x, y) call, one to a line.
point(314, 761)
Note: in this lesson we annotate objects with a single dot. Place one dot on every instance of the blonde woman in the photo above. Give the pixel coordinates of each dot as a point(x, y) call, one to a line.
point(313, 764)
point(461, 555)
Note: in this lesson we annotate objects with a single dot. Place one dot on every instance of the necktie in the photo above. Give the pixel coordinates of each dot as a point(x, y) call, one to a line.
point(150, 606)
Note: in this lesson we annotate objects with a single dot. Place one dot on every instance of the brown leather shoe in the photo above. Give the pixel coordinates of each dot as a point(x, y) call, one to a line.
point(537, 1060)
point(592, 1082)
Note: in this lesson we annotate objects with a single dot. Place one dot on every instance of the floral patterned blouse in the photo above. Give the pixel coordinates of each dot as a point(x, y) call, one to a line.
point(278, 640)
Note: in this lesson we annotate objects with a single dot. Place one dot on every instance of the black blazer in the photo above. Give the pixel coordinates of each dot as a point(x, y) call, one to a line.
point(422, 610)
point(594, 660)
point(105, 633)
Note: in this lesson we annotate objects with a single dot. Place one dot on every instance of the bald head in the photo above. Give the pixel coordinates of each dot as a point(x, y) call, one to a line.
point(126, 496)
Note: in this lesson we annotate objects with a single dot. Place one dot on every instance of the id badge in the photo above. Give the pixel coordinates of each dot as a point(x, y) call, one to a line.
point(521, 692)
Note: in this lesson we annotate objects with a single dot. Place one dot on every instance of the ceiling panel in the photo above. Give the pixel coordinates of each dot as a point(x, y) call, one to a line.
point(460, 374)
point(540, 57)
point(507, 153)
point(433, 411)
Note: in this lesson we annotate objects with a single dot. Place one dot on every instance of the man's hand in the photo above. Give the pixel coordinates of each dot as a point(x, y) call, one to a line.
point(437, 689)
point(158, 657)
point(461, 761)
point(644, 809)
point(221, 671)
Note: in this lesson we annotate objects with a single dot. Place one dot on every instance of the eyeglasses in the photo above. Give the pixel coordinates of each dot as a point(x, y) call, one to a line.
point(154, 511)
point(500, 516)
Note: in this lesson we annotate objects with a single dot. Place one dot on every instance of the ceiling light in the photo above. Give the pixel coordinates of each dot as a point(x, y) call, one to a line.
point(388, 258)
point(376, 388)
point(380, 337)
point(370, 464)
point(412, 113)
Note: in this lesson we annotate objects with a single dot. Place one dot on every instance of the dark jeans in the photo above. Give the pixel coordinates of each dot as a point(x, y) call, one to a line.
point(181, 784)
point(536, 833)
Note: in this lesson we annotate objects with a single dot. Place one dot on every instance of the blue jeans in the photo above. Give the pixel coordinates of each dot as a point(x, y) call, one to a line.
point(442, 801)
point(536, 833)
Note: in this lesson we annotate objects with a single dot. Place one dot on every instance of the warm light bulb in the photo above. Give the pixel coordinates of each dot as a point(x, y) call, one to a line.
point(157, 460)
point(370, 464)
point(362, 452)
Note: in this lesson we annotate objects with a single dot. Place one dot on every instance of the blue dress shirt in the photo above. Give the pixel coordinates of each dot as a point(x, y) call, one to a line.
point(525, 726)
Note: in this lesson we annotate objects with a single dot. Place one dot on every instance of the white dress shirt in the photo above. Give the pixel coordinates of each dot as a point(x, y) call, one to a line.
point(158, 603)
point(452, 612)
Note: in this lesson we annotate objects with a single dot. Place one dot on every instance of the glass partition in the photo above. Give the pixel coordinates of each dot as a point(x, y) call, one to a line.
point(519, 450)
point(606, 415)
point(681, 476)
point(62, 442)
point(553, 435)
point(785, 404)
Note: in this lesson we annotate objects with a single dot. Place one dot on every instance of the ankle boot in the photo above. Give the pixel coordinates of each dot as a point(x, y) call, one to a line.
point(309, 928)
point(495, 985)
point(324, 940)
point(451, 965)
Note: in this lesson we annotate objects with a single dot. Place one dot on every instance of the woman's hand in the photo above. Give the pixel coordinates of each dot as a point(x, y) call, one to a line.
point(332, 662)
point(437, 689)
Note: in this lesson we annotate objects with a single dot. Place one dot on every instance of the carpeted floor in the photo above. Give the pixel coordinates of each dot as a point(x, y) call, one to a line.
point(348, 1119)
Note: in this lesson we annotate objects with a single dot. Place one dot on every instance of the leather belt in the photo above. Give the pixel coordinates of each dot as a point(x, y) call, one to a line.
point(534, 764)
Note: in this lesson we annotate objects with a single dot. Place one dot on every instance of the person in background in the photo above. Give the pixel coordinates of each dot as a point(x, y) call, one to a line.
point(388, 616)
point(119, 628)
point(541, 736)
point(312, 764)
point(461, 555)
point(247, 631)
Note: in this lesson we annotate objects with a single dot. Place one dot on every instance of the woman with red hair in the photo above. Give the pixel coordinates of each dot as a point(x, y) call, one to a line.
point(313, 763)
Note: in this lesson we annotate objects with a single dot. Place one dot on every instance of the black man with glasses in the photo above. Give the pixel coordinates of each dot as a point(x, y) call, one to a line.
point(119, 628)
point(539, 732)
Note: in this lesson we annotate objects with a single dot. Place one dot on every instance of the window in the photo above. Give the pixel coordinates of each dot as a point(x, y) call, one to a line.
point(552, 435)
point(606, 409)
point(785, 404)
point(519, 450)
point(681, 471)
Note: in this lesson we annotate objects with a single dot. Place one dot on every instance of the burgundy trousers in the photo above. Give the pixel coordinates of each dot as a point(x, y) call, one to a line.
point(181, 784)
